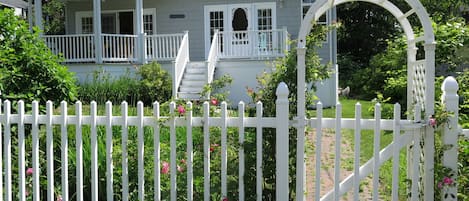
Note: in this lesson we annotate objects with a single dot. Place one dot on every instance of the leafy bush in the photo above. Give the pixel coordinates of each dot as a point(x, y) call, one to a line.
point(28, 69)
point(104, 88)
point(155, 83)
point(152, 83)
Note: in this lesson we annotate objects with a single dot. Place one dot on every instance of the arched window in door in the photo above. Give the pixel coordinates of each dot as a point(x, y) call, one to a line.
point(240, 23)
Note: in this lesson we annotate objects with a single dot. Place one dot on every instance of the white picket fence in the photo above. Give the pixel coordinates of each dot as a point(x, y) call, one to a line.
point(405, 133)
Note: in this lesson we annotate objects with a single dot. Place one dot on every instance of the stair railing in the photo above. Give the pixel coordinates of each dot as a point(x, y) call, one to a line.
point(212, 57)
point(180, 63)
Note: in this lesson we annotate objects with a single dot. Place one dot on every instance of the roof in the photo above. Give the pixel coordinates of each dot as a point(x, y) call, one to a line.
point(14, 3)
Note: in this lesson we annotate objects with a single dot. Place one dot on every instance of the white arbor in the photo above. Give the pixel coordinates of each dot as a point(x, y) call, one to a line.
point(420, 74)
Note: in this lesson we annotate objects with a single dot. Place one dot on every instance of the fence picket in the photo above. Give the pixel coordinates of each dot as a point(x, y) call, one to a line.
point(140, 158)
point(206, 152)
point(35, 150)
point(318, 149)
point(1, 154)
point(223, 148)
point(376, 149)
point(94, 152)
point(79, 150)
point(109, 164)
point(156, 144)
point(241, 150)
point(64, 153)
point(50, 151)
point(282, 143)
point(396, 152)
point(338, 141)
point(259, 177)
point(125, 160)
point(416, 157)
point(172, 133)
point(21, 154)
point(190, 154)
point(356, 180)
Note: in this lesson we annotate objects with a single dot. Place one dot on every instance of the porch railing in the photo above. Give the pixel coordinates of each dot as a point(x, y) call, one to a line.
point(162, 46)
point(253, 44)
point(180, 63)
point(118, 48)
point(74, 48)
point(80, 48)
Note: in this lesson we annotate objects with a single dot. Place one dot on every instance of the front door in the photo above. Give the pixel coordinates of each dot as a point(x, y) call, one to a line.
point(239, 35)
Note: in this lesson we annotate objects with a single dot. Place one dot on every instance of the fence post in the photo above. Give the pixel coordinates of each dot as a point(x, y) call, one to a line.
point(282, 116)
point(450, 101)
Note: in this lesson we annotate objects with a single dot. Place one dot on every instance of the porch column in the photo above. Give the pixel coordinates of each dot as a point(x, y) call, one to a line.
point(38, 14)
point(97, 31)
point(30, 14)
point(140, 45)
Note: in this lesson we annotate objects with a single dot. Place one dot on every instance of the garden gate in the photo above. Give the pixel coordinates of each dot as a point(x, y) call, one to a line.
point(420, 79)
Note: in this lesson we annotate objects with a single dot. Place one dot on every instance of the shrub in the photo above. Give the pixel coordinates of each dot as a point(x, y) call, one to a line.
point(155, 83)
point(28, 69)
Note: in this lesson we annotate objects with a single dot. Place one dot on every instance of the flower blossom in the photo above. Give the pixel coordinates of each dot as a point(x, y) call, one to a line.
point(165, 168)
point(181, 110)
point(447, 181)
point(225, 199)
point(440, 185)
point(180, 169)
point(214, 101)
point(432, 122)
point(59, 198)
point(29, 171)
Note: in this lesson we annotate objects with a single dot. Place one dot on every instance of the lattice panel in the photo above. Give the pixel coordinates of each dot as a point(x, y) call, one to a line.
point(418, 82)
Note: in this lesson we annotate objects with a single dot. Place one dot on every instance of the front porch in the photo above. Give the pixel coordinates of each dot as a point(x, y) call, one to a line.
point(122, 48)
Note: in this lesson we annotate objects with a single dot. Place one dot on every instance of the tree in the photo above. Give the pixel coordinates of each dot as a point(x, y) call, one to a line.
point(28, 69)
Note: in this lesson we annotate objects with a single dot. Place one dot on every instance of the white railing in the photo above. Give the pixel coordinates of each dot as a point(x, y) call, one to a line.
point(118, 48)
point(162, 47)
point(74, 48)
point(212, 57)
point(101, 132)
point(253, 44)
point(180, 63)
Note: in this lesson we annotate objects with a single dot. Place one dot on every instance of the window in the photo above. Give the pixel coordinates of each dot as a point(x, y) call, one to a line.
point(264, 19)
point(87, 25)
point(306, 4)
point(148, 24)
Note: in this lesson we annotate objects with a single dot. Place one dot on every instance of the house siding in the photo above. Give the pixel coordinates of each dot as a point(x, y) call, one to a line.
point(288, 16)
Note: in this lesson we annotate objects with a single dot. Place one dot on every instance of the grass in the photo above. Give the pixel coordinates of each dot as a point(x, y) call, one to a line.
point(366, 148)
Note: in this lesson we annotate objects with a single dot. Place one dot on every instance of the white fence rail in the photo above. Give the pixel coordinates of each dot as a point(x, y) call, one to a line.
point(99, 132)
point(212, 57)
point(74, 48)
point(253, 44)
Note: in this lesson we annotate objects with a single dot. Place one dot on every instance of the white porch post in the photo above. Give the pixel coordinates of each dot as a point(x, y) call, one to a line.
point(38, 14)
point(140, 48)
point(30, 14)
point(97, 31)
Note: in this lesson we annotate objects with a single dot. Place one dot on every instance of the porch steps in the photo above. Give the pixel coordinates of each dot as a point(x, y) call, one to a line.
point(193, 81)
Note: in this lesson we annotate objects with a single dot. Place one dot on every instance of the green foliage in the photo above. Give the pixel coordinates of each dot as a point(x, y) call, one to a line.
point(463, 81)
point(155, 83)
point(28, 69)
point(53, 12)
point(285, 71)
point(102, 87)
point(151, 84)
point(217, 89)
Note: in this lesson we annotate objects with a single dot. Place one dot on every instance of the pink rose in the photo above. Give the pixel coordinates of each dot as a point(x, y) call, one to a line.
point(181, 110)
point(432, 122)
point(29, 171)
point(225, 199)
point(165, 168)
point(180, 169)
point(447, 181)
point(440, 185)
point(214, 101)
point(59, 198)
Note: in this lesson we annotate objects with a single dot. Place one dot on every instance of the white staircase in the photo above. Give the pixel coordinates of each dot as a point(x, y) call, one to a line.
point(193, 81)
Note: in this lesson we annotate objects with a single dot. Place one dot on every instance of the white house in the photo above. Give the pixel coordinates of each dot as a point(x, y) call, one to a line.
point(197, 41)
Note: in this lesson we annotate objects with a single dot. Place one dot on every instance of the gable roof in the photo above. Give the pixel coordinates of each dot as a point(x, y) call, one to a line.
point(14, 3)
